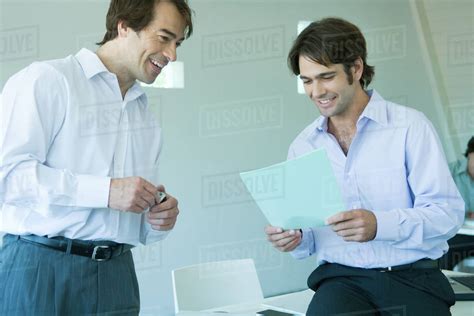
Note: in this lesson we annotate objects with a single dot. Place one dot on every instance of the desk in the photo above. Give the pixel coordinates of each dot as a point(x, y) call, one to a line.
point(300, 302)
point(297, 303)
point(461, 308)
point(461, 246)
point(466, 230)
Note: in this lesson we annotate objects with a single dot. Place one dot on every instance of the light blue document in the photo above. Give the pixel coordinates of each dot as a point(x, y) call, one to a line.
point(297, 193)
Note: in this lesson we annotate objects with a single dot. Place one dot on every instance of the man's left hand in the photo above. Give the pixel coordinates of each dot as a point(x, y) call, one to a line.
point(163, 216)
point(354, 225)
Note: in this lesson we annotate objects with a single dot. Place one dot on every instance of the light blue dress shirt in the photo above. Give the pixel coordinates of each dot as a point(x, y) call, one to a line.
point(65, 131)
point(395, 168)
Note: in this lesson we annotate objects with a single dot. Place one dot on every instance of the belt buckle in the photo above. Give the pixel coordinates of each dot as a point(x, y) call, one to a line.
point(96, 249)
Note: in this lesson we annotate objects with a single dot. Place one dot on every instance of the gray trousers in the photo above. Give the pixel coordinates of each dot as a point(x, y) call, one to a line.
point(36, 280)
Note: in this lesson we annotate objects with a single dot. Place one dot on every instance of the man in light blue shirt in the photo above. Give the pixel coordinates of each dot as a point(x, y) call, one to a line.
point(380, 255)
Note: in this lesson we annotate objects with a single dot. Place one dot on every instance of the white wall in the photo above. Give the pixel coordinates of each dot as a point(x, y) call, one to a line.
point(204, 151)
point(450, 38)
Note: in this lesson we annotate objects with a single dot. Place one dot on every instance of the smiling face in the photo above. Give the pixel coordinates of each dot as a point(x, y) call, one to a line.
point(146, 53)
point(328, 87)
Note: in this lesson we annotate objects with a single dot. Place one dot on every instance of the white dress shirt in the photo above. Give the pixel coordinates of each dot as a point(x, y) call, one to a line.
point(65, 132)
point(397, 169)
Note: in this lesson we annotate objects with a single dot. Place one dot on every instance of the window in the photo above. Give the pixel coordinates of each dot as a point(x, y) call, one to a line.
point(172, 77)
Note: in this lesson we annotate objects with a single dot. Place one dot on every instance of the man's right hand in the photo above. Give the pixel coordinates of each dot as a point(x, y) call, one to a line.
point(132, 194)
point(283, 240)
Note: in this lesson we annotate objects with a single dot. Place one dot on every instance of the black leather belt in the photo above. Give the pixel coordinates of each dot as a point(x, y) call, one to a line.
point(96, 250)
point(420, 264)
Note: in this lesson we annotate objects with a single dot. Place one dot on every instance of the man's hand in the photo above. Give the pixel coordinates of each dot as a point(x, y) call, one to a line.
point(163, 216)
point(283, 240)
point(355, 225)
point(132, 194)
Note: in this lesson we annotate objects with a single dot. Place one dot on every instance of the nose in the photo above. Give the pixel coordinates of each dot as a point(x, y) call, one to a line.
point(170, 52)
point(316, 90)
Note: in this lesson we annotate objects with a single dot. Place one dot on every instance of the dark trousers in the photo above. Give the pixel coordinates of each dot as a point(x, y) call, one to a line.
point(36, 280)
point(341, 290)
point(460, 247)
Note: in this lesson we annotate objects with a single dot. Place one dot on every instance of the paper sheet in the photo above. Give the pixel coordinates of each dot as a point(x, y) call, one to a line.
point(297, 193)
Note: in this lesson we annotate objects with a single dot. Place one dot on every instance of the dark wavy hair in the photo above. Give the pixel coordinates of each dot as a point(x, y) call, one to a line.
point(137, 14)
point(470, 147)
point(332, 41)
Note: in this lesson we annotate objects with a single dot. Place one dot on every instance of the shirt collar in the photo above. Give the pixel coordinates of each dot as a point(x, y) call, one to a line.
point(461, 167)
point(321, 124)
point(376, 110)
point(92, 65)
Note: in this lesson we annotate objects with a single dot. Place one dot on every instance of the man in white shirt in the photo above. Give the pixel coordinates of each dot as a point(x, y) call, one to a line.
point(78, 168)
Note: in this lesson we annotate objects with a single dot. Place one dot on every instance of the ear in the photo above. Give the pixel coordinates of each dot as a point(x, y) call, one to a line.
point(358, 69)
point(122, 29)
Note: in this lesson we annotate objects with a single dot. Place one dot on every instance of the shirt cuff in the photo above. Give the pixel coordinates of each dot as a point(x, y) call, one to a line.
point(387, 226)
point(304, 248)
point(92, 191)
point(150, 235)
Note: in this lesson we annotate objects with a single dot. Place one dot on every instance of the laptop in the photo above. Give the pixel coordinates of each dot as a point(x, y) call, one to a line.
point(463, 286)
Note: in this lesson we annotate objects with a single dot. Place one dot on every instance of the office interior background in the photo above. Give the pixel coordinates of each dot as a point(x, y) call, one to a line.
point(230, 104)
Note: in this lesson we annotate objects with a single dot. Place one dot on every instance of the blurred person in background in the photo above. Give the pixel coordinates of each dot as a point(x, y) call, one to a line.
point(461, 246)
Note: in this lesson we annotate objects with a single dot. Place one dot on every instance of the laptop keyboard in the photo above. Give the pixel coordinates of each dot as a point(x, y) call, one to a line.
point(465, 280)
